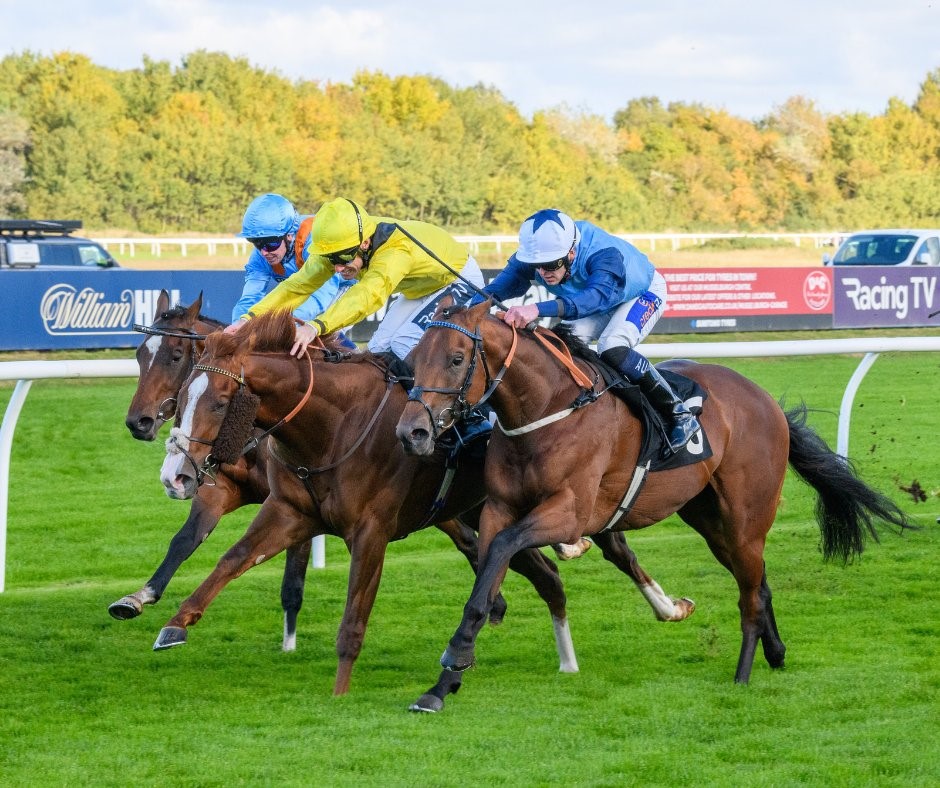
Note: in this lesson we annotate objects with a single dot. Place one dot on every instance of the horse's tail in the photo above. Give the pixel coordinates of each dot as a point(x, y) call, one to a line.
point(846, 507)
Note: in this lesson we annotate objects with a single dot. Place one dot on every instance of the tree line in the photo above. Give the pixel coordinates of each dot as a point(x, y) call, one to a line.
point(163, 149)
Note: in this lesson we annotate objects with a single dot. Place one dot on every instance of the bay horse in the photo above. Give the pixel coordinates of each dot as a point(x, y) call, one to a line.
point(562, 458)
point(342, 472)
point(165, 357)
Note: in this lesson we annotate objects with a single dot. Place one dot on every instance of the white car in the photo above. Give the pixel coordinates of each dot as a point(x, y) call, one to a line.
point(888, 247)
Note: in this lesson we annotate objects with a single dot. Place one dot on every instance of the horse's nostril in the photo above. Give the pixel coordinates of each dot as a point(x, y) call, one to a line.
point(419, 435)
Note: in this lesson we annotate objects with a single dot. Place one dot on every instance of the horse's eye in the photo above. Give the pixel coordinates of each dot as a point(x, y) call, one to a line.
point(177, 354)
point(219, 406)
point(457, 360)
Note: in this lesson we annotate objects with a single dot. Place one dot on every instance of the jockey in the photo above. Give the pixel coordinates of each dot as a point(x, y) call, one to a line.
point(385, 257)
point(604, 289)
point(281, 238)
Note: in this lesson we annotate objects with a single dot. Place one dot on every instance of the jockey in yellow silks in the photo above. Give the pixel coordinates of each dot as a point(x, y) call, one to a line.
point(387, 257)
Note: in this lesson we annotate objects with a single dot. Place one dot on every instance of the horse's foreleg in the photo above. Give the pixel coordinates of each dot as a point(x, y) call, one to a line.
point(546, 524)
point(465, 540)
point(367, 555)
point(204, 515)
point(292, 590)
point(448, 683)
point(275, 527)
point(615, 549)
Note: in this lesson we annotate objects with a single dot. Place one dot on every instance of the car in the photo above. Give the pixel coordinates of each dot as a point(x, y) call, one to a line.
point(48, 245)
point(888, 247)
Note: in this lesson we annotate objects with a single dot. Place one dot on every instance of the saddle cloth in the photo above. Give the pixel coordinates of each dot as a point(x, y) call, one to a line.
point(655, 448)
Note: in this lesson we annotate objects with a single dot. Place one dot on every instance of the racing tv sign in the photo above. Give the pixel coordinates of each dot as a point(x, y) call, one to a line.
point(885, 296)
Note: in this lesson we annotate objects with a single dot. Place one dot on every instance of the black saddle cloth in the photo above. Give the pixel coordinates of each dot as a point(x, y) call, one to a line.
point(655, 447)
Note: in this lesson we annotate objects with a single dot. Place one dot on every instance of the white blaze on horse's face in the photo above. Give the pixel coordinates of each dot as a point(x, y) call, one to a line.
point(175, 461)
point(153, 347)
point(195, 391)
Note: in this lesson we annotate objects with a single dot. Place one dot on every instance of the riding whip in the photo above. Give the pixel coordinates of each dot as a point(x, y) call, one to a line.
point(477, 290)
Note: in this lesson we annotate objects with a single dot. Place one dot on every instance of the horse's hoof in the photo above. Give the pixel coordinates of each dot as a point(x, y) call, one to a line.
point(455, 664)
point(498, 611)
point(686, 608)
point(125, 608)
point(169, 637)
point(568, 552)
point(428, 704)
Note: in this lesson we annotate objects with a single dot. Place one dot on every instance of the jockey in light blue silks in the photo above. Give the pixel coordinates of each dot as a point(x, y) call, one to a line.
point(604, 289)
point(281, 238)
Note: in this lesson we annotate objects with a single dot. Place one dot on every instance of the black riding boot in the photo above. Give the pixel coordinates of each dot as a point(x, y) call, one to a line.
point(681, 425)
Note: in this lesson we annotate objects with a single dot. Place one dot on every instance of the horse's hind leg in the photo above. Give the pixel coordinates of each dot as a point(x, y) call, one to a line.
point(774, 649)
point(292, 590)
point(736, 539)
point(615, 549)
point(465, 540)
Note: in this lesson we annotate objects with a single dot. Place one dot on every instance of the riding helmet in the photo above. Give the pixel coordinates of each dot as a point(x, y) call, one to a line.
point(546, 236)
point(269, 216)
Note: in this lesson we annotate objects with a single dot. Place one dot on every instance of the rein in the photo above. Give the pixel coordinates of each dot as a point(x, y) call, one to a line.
point(304, 473)
point(163, 332)
point(461, 405)
point(209, 464)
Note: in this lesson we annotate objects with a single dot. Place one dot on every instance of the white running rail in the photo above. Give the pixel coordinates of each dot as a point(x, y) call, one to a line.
point(25, 372)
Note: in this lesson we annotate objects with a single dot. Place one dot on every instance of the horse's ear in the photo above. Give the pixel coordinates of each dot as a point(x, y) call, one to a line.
point(445, 303)
point(163, 304)
point(192, 311)
point(482, 307)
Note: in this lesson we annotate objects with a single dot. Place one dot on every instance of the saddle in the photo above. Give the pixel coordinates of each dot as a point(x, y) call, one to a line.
point(655, 448)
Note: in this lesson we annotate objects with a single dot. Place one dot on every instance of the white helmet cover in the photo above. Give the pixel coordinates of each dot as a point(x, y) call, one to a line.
point(546, 236)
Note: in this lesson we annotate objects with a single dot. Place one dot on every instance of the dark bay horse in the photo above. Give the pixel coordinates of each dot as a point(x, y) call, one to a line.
point(334, 435)
point(556, 470)
point(165, 358)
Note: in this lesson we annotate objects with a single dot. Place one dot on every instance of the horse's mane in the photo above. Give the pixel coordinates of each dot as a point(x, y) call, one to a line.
point(268, 333)
point(578, 347)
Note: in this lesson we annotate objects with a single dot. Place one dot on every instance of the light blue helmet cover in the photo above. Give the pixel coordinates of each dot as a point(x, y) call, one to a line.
point(269, 216)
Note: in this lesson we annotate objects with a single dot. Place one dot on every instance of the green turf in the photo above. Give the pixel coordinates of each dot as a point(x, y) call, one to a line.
point(84, 700)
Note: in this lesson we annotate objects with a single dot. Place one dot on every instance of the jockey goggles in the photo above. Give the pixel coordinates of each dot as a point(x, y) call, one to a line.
point(344, 257)
point(271, 244)
point(553, 266)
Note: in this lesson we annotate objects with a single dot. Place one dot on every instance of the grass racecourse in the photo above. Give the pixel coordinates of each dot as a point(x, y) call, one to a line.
point(85, 701)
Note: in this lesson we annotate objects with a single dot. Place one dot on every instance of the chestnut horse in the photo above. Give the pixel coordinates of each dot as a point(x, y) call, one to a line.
point(166, 358)
point(341, 471)
point(559, 464)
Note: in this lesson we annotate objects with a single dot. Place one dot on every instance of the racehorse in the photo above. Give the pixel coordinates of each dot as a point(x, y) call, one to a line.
point(340, 470)
point(551, 477)
point(166, 357)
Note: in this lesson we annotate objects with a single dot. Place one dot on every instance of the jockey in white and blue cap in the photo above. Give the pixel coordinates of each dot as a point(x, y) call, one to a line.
point(605, 289)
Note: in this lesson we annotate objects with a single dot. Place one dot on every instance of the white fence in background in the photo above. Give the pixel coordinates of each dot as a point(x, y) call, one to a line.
point(25, 372)
point(239, 246)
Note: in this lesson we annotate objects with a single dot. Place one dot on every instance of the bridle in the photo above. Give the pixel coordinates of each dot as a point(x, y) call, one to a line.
point(210, 465)
point(461, 405)
point(163, 408)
